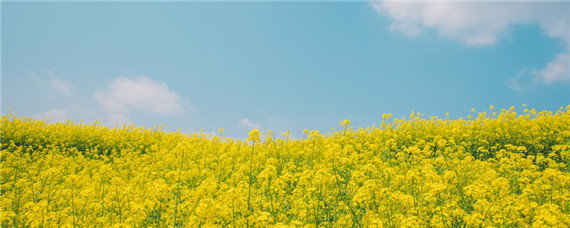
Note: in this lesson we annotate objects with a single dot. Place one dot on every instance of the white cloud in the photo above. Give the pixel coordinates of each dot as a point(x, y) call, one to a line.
point(475, 23)
point(486, 23)
point(59, 85)
point(142, 93)
point(556, 70)
point(246, 123)
point(111, 103)
point(56, 115)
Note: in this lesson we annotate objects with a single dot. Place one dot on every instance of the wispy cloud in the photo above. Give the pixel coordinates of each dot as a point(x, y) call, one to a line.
point(485, 23)
point(142, 93)
point(56, 115)
point(246, 123)
point(556, 70)
point(59, 85)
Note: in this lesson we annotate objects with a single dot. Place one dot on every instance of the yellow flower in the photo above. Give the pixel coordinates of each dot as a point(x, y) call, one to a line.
point(269, 138)
point(499, 170)
point(254, 135)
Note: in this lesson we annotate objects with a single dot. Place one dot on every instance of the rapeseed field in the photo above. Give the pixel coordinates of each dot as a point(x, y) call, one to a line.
point(496, 168)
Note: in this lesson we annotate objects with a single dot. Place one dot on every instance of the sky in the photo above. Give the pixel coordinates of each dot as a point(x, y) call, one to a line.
point(279, 65)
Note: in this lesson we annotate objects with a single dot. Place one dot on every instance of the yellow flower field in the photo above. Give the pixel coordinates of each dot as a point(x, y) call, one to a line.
point(502, 169)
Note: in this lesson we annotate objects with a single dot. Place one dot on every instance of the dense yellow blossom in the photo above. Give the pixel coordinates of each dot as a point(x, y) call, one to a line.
point(492, 170)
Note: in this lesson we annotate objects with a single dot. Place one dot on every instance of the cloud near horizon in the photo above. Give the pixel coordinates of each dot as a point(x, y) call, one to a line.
point(142, 93)
point(246, 123)
point(486, 23)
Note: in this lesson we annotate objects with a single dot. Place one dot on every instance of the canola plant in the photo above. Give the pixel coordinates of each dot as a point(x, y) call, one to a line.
point(489, 170)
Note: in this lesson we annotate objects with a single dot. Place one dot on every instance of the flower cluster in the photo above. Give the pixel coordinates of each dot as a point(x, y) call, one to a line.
point(492, 169)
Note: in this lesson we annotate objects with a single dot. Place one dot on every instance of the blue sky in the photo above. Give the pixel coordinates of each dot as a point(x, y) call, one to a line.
point(282, 65)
